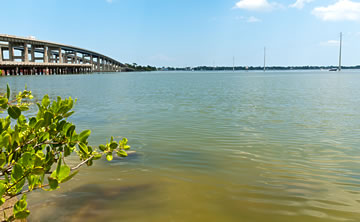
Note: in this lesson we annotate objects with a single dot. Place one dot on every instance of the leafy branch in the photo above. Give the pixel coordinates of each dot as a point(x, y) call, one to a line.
point(30, 147)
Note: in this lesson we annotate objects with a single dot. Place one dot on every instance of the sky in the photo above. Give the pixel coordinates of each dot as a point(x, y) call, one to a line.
point(195, 32)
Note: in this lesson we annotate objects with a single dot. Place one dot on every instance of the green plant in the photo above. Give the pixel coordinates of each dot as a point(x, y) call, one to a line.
point(31, 147)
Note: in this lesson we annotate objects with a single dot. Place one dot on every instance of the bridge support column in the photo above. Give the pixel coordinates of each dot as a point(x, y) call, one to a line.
point(98, 64)
point(102, 64)
point(32, 53)
point(46, 58)
point(11, 52)
point(60, 56)
point(26, 53)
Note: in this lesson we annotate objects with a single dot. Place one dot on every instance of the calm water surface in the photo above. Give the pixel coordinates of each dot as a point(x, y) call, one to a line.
point(222, 146)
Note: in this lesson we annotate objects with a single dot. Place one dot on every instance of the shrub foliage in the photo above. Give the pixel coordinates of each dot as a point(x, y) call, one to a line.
point(33, 150)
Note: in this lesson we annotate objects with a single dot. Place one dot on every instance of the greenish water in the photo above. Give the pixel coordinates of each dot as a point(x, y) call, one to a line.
point(221, 146)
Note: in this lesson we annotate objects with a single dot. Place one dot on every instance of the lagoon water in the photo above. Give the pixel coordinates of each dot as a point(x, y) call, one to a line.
point(211, 146)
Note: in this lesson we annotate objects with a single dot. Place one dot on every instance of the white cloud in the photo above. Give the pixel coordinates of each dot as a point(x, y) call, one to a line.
point(109, 1)
point(300, 4)
point(253, 19)
point(343, 10)
point(254, 5)
point(330, 43)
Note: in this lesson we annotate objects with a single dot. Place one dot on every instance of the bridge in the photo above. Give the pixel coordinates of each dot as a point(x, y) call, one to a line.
point(29, 56)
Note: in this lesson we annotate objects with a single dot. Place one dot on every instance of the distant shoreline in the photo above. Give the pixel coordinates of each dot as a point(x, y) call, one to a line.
point(255, 68)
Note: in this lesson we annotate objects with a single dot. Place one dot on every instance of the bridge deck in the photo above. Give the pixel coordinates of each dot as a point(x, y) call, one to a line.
point(42, 64)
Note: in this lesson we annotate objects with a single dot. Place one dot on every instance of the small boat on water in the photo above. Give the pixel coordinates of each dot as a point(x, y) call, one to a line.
point(333, 70)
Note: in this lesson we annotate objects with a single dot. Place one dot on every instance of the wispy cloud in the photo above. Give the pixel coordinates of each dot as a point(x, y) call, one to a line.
point(250, 19)
point(330, 43)
point(342, 10)
point(109, 1)
point(256, 5)
point(253, 19)
point(299, 4)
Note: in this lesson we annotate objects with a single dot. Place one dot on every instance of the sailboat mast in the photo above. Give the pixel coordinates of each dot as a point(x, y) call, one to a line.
point(340, 52)
point(233, 63)
point(264, 59)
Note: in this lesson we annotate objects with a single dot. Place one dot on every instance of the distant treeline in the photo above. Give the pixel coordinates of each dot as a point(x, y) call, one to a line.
point(136, 67)
point(251, 68)
point(139, 68)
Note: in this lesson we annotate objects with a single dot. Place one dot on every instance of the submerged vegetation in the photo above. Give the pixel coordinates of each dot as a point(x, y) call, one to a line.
point(33, 150)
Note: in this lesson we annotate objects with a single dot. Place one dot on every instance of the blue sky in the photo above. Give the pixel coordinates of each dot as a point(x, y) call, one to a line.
point(195, 32)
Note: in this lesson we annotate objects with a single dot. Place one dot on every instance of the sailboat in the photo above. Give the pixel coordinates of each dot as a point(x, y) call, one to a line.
point(264, 59)
point(339, 68)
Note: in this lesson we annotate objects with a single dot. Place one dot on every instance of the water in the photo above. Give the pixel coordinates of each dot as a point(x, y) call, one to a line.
point(211, 146)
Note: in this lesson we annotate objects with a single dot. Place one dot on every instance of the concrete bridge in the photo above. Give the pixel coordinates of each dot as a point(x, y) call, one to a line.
point(29, 56)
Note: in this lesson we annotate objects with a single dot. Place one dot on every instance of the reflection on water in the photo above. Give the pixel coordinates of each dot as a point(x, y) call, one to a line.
point(211, 147)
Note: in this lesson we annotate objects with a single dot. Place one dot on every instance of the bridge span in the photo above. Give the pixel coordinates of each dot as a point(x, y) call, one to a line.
point(29, 56)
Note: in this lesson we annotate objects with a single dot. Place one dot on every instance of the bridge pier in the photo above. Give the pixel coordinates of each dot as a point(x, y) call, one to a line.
point(26, 53)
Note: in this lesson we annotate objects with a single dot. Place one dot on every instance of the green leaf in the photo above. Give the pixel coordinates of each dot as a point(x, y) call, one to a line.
point(21, 120)
point(54, 184)
point(22, 214)
point(17, 172)
point(126, 147)
point(83, 148)
point(14, 112)
point(60, 125)
point(33, 181)
point(113, 145)
point(102, 147)
point(2, 189)
point(45, 101)
point(63, 174)
point(2, 160)
point(122, 153)
point(39, 124)
point(44, 136)
point(20, 210)
point(26, 160)
point(58, 169)
point(109, 157)
point(20, 185)
point(84, 135)
point(69, 177)
point(24, 108)
point(32, 122)
point(67, 151)
point(7, 91)
point(68, 114)
point(47, 118)
point(39, 158)
point(3, 101)
point(38, 171)
point(70, 131)
point(125, 141)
